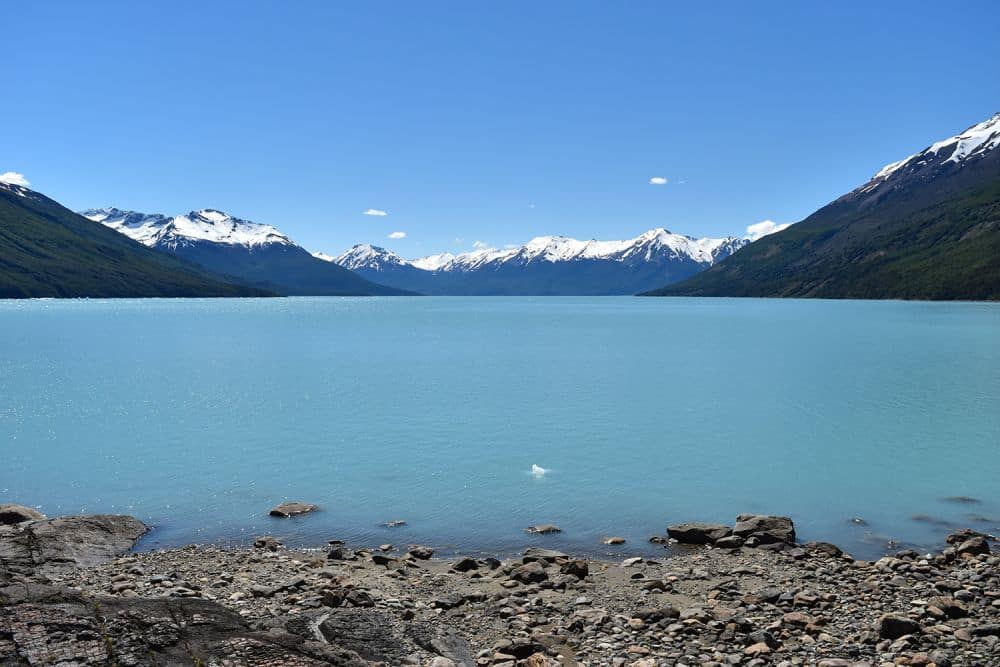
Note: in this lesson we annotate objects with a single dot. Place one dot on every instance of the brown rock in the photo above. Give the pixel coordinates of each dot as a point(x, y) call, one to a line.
point(543, 529)
point(893, 626)
point(578, 568)
point(974, 546)
point(951, 607)
point(529, 573)
point(285, 510)
point(760, 648)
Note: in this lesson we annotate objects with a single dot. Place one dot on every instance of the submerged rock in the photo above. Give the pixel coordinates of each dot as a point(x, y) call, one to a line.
point(964, 500)
point(285, 510)
point(543, 529)
point(613, 541)
point(934, 521)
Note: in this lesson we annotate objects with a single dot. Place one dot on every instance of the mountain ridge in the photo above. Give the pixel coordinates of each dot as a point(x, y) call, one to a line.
point(924, 227)
point(47, 250)
point(256, 253)
point(546, 265)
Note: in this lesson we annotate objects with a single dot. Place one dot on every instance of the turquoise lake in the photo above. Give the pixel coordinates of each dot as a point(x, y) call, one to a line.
point(197, 416)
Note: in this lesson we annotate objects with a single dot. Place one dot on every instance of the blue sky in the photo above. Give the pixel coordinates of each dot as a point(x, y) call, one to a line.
point(493, 122)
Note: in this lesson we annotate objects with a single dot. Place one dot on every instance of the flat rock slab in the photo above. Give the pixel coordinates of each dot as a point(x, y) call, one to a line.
point(47, 626)
point(67, 541)
point(285, 510)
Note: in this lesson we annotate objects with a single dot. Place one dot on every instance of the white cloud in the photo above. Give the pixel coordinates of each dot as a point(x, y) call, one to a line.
point(375, 211)
point(14, 178)
point(765, 227)
point(397, 235)
point(658, 180)
point(479, 244)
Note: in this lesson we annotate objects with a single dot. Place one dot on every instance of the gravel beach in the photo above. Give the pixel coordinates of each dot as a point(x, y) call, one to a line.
point(71, 593)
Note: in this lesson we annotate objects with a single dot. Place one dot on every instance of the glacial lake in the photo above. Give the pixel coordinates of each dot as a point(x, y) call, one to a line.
point(197, 416)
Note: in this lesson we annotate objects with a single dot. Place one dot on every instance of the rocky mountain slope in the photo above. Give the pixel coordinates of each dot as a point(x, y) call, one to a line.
point(47, 250)
point(547, 265)
point(925, 227)
point(258, 254)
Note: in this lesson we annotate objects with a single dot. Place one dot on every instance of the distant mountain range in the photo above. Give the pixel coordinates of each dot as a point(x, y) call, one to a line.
point(547, 265)
point(925, 227)
point(47, 250)
point(256, 254)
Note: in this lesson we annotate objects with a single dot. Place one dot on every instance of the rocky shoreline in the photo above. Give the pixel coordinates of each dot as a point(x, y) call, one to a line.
point(71, 593)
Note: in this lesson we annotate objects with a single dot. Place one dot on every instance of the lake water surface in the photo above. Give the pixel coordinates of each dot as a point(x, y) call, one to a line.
point(198, 415)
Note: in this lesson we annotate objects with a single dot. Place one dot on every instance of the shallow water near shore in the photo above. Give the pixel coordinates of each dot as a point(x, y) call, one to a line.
point(197, 416)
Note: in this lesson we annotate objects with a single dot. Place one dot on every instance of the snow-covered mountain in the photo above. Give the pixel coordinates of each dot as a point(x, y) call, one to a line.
point(547, 265)
point(924, 227)
point(206, 225)
point(974, 144)
point(259, 255)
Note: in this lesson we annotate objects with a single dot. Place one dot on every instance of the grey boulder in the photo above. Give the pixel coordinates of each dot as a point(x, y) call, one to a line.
point(699, 533)
point(67, 541)
point(768, 529)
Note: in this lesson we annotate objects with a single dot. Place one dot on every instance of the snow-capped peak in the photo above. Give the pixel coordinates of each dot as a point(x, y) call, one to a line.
point(364, 255)
point(207, 225)
point(975, 141)
point(656, 244)
point(433, 262)
point(219, 227)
